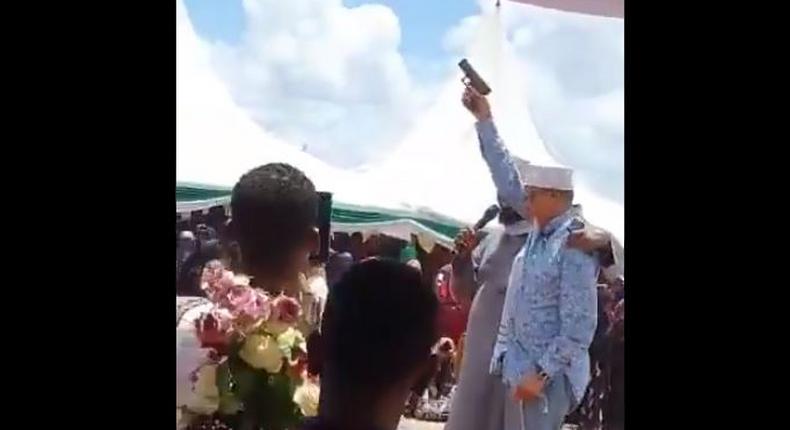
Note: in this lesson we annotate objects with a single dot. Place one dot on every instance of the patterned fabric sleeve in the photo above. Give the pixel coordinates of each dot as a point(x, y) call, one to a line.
point(578, 312)
point(503, 169)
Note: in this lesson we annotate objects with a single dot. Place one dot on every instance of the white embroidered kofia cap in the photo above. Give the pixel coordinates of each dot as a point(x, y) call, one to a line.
point(550, 177)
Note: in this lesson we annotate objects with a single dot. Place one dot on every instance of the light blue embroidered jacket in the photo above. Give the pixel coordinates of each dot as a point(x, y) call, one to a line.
point(550, 309)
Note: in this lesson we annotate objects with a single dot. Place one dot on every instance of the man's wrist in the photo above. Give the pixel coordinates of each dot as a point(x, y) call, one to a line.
point(485, 119)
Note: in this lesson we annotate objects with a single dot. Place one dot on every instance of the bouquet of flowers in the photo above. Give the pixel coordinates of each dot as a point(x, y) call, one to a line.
point(256, 361)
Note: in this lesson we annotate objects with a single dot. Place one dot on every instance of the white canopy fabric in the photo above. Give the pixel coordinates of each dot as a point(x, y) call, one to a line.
point(437, 168)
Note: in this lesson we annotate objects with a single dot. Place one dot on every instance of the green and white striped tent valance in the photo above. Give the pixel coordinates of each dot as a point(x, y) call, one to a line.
point(429, 227)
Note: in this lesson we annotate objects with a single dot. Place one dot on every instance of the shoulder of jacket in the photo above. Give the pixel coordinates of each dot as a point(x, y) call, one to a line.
point(576, 223)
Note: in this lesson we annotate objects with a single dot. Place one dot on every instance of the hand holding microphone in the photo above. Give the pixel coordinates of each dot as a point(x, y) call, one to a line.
point(465, 242)
point(468, 238)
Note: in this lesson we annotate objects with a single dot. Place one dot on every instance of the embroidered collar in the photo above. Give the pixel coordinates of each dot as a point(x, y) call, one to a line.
point(556, 222)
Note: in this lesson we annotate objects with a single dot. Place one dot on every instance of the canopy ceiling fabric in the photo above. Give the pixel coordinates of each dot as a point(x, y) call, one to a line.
point(345, 218)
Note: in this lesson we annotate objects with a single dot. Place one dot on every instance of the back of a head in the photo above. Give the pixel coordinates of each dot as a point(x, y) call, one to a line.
point(210, 250)
point(337, 266)
point(378, 326)
point(274, 209)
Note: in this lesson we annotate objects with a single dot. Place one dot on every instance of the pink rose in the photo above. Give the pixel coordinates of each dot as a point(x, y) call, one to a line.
point(235, 296)
point(258, 306)
point(215, 280)
point(249, 306)
point(213, 330)
point(285, 310)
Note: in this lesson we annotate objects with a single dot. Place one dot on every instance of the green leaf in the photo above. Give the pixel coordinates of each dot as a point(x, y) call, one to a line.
point(266, 399)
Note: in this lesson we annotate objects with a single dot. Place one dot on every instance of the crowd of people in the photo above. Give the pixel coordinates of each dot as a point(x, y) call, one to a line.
point(519, 330)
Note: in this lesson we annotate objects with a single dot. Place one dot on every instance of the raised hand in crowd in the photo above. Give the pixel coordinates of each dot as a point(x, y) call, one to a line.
point(465, 242)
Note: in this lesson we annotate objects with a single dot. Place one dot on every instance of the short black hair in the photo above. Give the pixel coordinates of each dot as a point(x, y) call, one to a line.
point(273, 207)
point(378, 326)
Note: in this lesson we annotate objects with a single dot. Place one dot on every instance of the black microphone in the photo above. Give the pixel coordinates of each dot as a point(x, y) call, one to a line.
point(488, 215)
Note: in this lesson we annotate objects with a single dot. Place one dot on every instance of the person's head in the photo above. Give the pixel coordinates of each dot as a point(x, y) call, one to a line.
point(337, 266)
point(549, 191)
point(274, 210)
point(378, 329)
point(187, 244)
point(444, 347)
point(547, 203)
point(357, 246)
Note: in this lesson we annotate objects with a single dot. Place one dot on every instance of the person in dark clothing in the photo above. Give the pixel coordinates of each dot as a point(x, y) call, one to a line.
point(189, 280)
point(588, 413)
point(377, 332)
point(337, 265)
point(315, 354)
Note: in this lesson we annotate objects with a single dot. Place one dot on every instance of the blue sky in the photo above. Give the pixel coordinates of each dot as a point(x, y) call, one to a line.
point(425, 24)
point(349, 78)
point(426, 21)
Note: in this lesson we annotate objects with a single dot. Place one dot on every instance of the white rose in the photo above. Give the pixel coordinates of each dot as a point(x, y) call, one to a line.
point(262, 352)
point(306, 397)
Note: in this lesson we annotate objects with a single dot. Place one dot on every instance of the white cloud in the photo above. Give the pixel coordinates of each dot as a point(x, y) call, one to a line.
point(457, 39)
point(323, 75)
